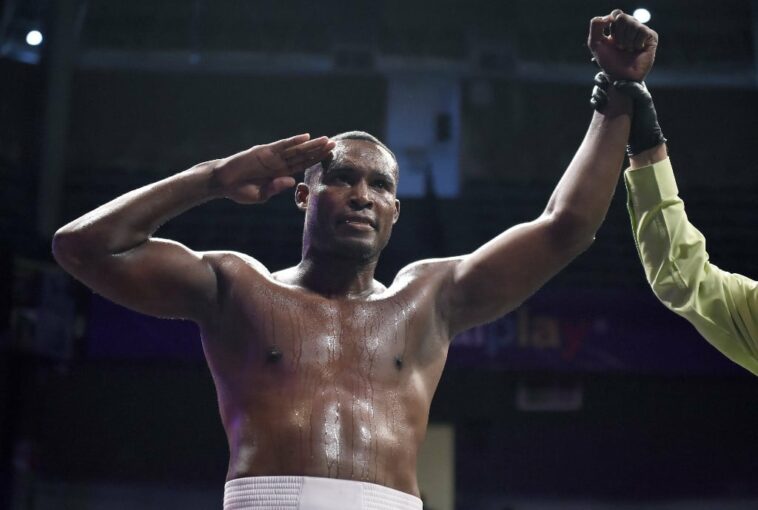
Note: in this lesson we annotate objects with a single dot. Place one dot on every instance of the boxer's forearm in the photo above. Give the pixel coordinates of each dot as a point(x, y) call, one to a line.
point(584, 193)
point(132, 218)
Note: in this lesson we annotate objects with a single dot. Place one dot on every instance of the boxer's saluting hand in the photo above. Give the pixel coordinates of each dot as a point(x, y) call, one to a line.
point(256, 174)
point(622, 46)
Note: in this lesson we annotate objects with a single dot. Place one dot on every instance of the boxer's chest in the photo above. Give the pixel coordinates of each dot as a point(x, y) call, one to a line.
point(295, 333)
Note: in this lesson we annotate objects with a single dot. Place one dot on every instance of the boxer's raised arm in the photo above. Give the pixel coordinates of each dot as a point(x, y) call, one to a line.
point(500, 275)
point(112, 251)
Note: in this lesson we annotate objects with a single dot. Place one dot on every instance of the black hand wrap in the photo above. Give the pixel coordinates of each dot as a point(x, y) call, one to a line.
point(645, 132)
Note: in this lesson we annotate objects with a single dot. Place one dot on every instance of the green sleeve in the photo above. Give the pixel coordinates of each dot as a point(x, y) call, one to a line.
point(722, 306)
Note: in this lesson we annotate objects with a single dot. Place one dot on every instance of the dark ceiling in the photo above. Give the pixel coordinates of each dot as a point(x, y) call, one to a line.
point(698, 33)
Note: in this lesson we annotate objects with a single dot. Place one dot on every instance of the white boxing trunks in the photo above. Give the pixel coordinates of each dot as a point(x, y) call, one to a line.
point(311, 493)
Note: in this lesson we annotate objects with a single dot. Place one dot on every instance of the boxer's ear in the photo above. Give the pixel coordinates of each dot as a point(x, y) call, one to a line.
point(302, 192)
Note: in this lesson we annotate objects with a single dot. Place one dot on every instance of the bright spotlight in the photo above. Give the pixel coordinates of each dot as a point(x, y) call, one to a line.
point(642, 15)
point(34, 38)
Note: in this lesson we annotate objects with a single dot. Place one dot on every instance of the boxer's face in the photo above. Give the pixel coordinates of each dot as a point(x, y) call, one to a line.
point(351, 202)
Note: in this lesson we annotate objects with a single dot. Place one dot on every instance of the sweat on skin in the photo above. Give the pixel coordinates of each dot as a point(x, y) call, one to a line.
point(320, 370)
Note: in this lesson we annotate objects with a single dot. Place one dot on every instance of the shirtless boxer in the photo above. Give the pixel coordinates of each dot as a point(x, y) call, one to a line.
point(324, 376)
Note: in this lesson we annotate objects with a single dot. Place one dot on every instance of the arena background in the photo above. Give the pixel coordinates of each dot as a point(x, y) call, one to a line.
point(591, 395)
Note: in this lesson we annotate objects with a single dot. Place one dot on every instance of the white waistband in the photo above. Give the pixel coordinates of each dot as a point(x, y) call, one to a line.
point(311, 493)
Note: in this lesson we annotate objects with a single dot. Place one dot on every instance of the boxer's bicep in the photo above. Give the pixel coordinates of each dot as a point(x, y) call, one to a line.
point(159, 277)
point(497, 277)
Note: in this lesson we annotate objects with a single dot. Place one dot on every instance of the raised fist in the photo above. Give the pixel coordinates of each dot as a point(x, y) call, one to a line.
point(622, 46)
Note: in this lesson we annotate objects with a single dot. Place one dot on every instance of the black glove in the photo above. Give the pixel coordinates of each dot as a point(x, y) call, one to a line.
point(599, 96)
point(645, 132)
